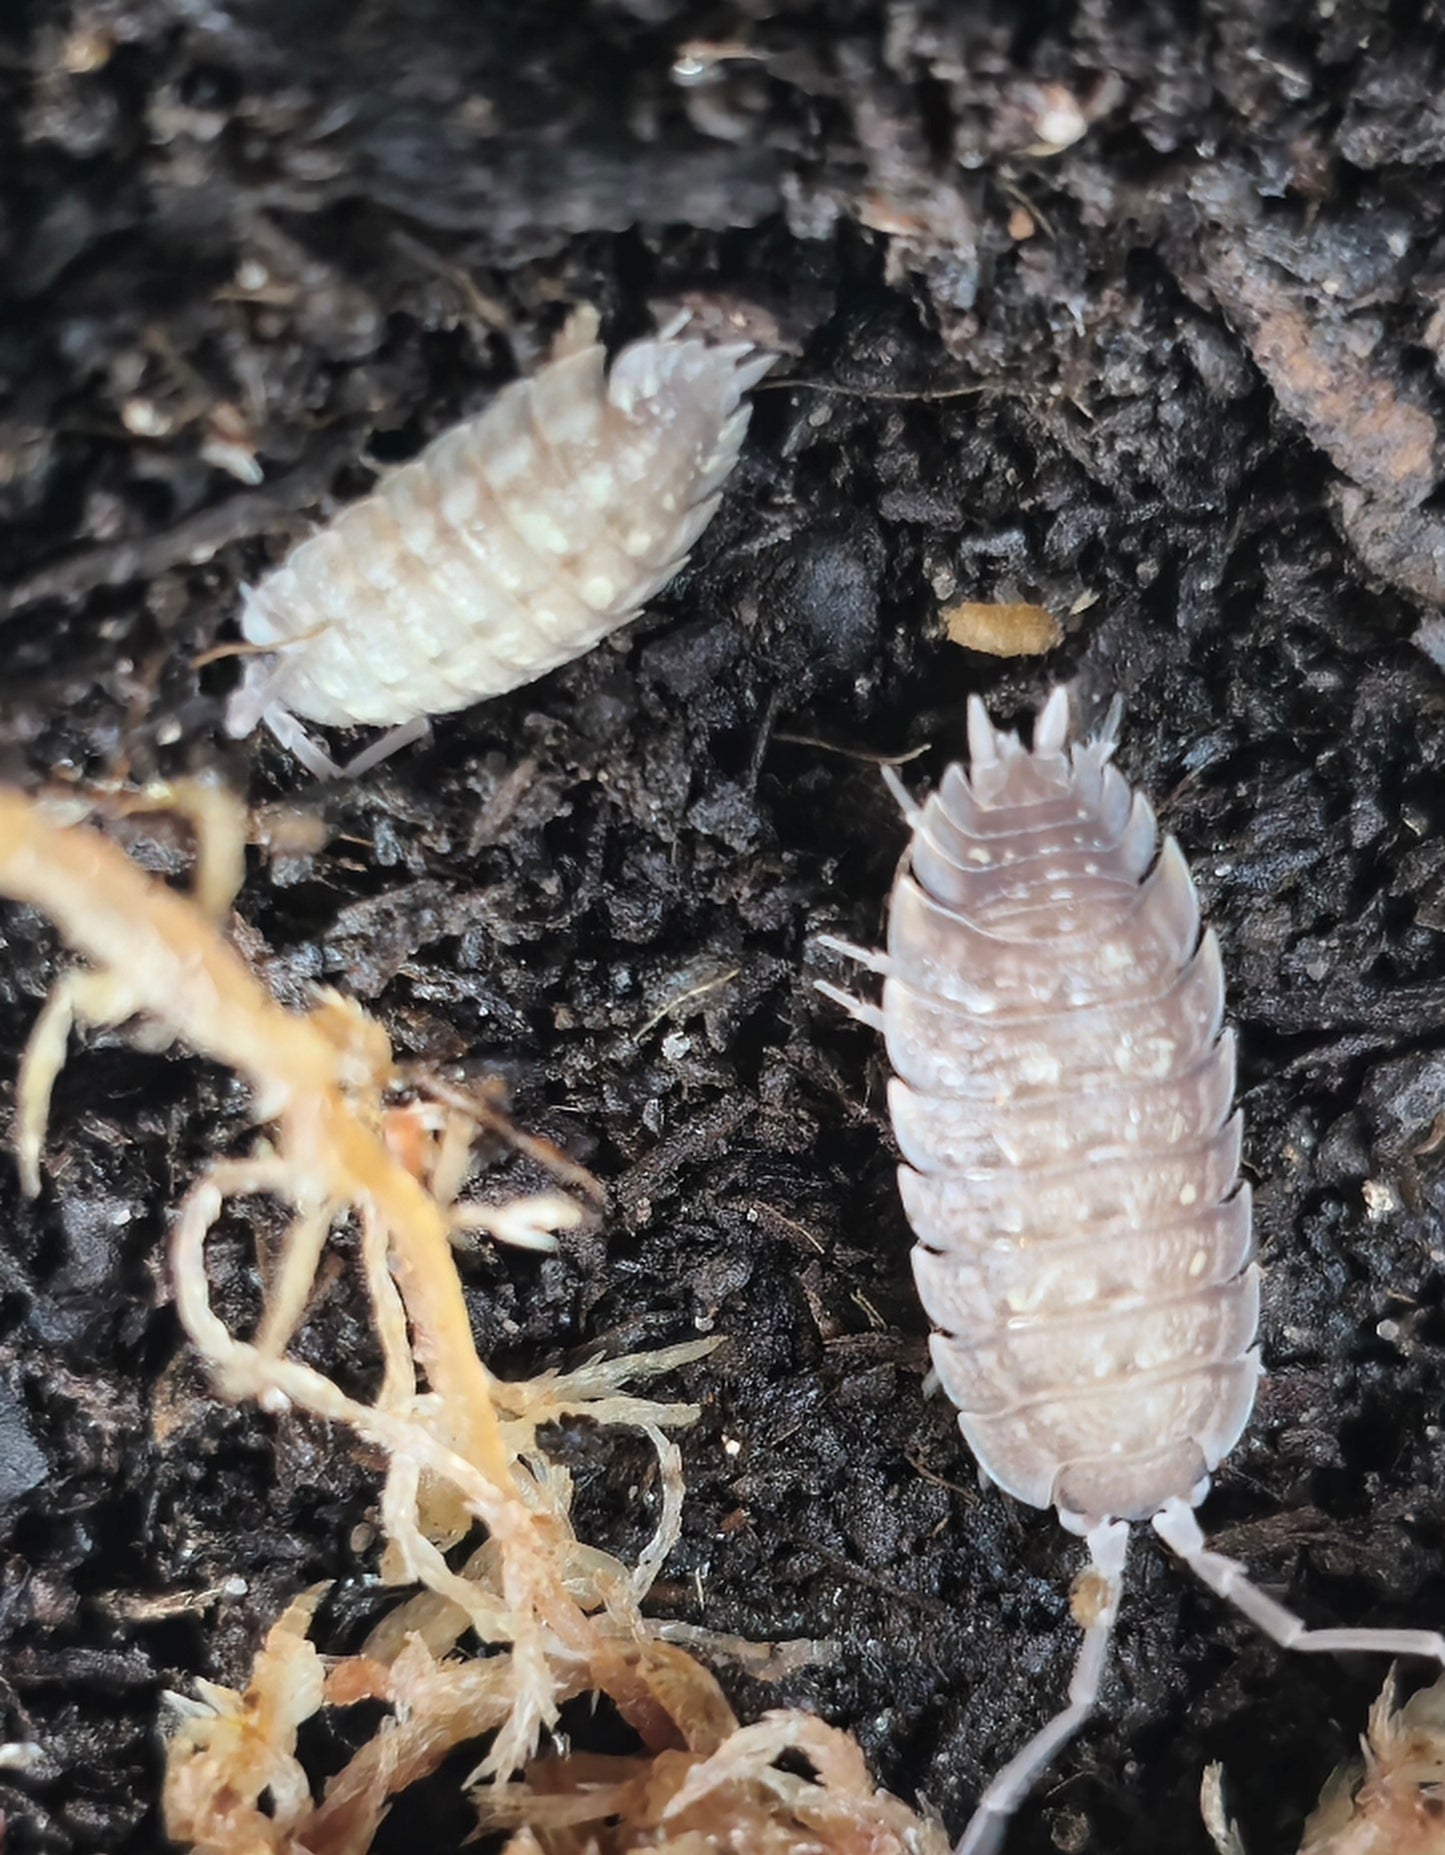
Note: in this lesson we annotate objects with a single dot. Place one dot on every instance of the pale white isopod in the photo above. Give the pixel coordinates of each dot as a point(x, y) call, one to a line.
point(513, 543)
point(1062, 1104)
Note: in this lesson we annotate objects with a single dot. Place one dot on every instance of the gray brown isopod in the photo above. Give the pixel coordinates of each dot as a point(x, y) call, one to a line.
point(1062, 1103)
point(513, 543)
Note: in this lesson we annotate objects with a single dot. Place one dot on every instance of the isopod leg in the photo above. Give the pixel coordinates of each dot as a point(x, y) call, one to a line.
point(865, 956)
point(1108, 1543)
point(875, 963)
point(1177, 1527)
point(902, 798)
point(390, 743)
point(299, 744)
point(855, 1007)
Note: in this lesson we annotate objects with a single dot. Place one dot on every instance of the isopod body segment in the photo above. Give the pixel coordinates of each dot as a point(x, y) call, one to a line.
point(513, 543)
point(1062, 1099)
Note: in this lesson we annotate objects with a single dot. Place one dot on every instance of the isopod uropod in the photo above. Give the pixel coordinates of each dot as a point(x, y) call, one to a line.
point(512, 543)
point(1062, 1104)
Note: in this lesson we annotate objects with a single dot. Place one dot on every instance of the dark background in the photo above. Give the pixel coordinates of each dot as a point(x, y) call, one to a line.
point(1178, 381)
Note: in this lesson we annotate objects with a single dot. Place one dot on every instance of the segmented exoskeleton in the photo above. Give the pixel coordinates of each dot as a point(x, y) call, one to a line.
point(513, 543)
point(1062, 1104)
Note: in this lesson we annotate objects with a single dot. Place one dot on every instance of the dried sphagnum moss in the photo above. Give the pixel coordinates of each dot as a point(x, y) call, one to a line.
point(700, 1783)
point(561, 1618)
point(1393, 1801)
point(1390, 1802)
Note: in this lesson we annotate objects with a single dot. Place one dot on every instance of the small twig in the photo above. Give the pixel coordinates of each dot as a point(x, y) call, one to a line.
point(870, 1313)
point(871, 1582)
point(852, 753)
point(769, 1210)
point(490, 311)
point(840, 391)
point(236, 647)
point(1036, 213)
point(685, 998)
point(969, 1495)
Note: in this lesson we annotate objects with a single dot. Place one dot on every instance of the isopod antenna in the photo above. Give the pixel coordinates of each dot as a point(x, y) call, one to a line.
point(1095, 1604)
point(1227, 1578)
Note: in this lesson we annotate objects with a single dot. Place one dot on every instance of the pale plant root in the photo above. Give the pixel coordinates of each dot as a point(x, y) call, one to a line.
point(463, 1448)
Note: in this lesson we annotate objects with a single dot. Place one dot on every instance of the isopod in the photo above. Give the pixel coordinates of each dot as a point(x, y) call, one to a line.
point(1061, 1100)
point(511, 544)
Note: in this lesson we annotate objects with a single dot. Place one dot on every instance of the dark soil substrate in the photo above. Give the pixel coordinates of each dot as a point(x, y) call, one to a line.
point(1176, 381)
